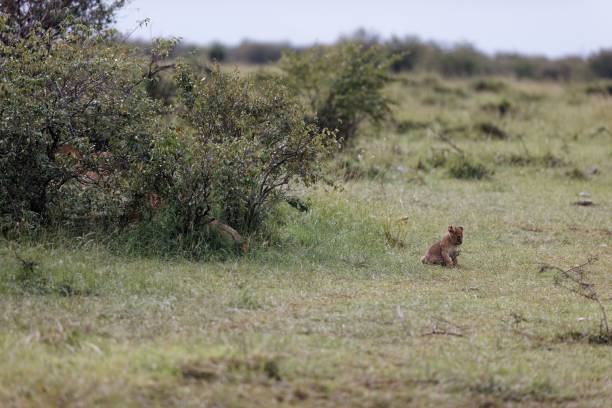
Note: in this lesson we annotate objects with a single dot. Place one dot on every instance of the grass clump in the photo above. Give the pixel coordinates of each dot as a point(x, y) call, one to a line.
point(357, 169)
point(467, 168)
point(492, 131)
point(488, 85)
point(576, 174)
point(408, 126)
point(29, 277)
point(546, 160)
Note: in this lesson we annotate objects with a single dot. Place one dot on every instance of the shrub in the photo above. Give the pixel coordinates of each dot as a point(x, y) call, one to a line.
point(437, 157)
point(341, 85)
point(464, 60)
point(491, 131)
point(251, 52)
point(576, 174)
point(75, 125)
point(548, 159)
point(248, 145)
point(601, 64)
point(463, 167)
point(217, 52)
point(488, 85)
point(410, 50)
point(57, 15)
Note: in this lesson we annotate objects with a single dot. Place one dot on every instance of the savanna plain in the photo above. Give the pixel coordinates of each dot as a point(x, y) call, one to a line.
point(333, 307)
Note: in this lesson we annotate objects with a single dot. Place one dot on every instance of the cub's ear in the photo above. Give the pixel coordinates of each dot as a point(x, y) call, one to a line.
point(450, 228)
point(461, 228)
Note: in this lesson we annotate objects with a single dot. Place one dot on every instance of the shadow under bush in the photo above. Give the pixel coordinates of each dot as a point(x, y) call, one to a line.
point(161, 236)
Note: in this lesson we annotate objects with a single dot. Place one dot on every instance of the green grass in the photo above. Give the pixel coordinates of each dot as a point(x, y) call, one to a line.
point(333, 307)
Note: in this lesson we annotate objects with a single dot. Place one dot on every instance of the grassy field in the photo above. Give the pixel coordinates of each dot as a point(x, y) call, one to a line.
point(333, 307)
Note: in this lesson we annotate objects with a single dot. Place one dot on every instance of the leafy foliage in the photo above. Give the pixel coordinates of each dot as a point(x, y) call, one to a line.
point(464, 167)
point(75, 125)
point(248, 144)
point(601, 64)
point(342, 85)
point(57, 15)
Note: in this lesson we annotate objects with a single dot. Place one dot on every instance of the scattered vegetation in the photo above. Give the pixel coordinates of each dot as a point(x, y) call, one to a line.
point(76, 126)
point(342, 86)
point(465, 167)
point(253, 154)
point(201, 241)
point(575, 280)
point(492, 131)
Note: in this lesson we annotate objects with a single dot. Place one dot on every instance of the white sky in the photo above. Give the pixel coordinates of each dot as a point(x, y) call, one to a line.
point(548, 27)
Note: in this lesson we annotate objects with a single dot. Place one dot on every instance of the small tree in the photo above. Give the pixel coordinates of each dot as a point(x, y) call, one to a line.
point(342, 85)
point(249, 143)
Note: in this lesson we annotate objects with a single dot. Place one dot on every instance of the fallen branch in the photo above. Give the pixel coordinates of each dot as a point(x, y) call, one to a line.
point(575, 281)
point(453, 330)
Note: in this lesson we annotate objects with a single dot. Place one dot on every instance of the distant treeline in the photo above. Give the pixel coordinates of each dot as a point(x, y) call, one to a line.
point(460, 60)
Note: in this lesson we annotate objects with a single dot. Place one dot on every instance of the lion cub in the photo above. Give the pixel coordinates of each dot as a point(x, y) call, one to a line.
point(445, 252)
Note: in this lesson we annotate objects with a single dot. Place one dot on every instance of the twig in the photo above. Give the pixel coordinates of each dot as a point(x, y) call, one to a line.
point(584, 288)
point(440, 331)
point(520, 138)
point(448, 141)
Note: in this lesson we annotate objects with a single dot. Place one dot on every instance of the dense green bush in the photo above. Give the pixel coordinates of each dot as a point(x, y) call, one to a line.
point(341, 85)
point(463, 60)
point(75, 126)
point(601, 64)
point(411, 52)
point(252, 52)
point(54, 16)
point(248, 144)
point(217, 52)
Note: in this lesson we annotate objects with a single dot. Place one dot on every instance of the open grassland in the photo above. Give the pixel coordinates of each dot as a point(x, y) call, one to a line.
point(332, 307)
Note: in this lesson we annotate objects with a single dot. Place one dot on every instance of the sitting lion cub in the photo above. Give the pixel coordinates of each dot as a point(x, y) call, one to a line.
point(445, 252)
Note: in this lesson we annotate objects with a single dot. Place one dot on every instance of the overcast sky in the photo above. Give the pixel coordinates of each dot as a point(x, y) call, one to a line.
point(548, 27)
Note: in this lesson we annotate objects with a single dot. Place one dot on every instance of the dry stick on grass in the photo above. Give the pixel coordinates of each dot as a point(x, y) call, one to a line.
point(574, 280)
point(446, 139)
point(452, 330)
point(520, 138)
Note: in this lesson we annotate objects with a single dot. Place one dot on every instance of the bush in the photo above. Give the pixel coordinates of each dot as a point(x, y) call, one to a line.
point(491, 131)
point(217, 52)
point(410, 52)
point(251, 52)
point(246, 146)
point(57, 15)
point(75, 126)
point(462, 61)
point(601, 64)
point(341, 85)
point(462, 167)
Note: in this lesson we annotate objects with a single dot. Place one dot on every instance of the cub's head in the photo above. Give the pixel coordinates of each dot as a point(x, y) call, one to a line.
point(456, 234)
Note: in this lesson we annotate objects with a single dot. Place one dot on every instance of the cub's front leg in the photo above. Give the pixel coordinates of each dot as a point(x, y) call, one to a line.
point(454, 256)
point(448, 261)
